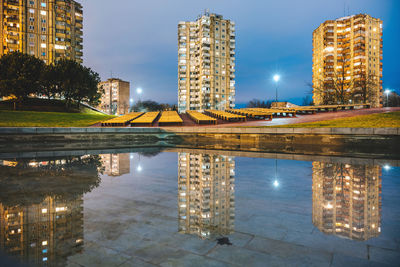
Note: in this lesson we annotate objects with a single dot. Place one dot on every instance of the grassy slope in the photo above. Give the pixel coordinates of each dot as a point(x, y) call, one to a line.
point(44, 105)
point(391, 119)
point(49, 119)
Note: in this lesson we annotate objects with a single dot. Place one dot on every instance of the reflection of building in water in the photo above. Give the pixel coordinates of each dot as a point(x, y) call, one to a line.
point(45, 233)
point(41, 207)
point(116, 164)
point(206, 194)
point(346, 199)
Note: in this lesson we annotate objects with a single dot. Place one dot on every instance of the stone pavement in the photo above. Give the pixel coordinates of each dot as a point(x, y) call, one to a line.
point(312, 118)
point(132, 220)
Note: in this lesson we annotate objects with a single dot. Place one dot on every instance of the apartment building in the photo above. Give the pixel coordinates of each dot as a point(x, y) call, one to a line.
point(347, 61)
point(47, 29)
point(206, 200)
point(347, 199)
point(206, 63)
point(115, 96)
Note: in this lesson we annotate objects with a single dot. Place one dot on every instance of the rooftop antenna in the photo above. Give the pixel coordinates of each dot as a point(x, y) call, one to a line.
point(111, 74)
point(344, 9)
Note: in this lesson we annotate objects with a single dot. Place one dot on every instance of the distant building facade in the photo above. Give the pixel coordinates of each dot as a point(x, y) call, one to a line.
point(115, 97)
point(206, 200)
point(48, 30)
point(206, 63)
point(347, 61)
point(347, 199)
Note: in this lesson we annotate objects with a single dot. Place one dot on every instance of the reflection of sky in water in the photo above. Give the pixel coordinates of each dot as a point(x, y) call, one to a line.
point(298, 202)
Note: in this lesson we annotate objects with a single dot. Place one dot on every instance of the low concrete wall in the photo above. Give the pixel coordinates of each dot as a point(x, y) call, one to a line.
point(210, 130)
point(379, 142)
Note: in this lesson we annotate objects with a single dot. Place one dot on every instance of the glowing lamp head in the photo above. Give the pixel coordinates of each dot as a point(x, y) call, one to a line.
point(276, 183)
point(276, 77)
point(131, 100)
point(139, 168)
point(139, 91)
point(387, 91)
point(386, 167)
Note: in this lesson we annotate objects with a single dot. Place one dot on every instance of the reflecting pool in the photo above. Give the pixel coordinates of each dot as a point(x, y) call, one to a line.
point(187, 207)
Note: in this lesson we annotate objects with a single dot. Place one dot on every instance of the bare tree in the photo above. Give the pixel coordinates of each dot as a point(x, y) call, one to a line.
point(366, 87)
point(337, 86)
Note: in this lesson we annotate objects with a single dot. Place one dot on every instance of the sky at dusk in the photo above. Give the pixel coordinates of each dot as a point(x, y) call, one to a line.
point(137, 41)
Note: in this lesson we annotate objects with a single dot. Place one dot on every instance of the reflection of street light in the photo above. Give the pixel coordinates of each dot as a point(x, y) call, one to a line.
point(276, 182)
point(387, 92)
point(139, 168)
point(276, 79)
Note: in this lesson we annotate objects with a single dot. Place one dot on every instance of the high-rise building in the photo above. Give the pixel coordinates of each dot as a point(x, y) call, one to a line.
point(47, 29)
point(347, 199)
point(347, 61)
point(116, 164)
point(115, 97)
point(206, 63)
point(206, 200)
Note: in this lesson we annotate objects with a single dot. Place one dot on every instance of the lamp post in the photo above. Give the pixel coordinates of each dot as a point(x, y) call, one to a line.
point(387, 92)
point(139, 91)
point(276, 79)
point(130, 103)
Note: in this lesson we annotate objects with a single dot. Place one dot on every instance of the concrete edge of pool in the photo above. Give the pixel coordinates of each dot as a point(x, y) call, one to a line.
point(200, 130)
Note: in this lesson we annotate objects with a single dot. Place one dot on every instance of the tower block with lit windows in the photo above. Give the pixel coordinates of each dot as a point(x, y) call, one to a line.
point(115, 96)
point(206, 194)
point(206, 63)
point(49, 30)
point(347, 199)
point(347, 61)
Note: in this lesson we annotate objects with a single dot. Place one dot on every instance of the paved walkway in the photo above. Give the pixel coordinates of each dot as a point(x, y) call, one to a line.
point(322, 116)
point(311, 118)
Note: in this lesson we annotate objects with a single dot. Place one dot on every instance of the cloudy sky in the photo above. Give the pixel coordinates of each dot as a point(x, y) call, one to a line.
point(136, 40)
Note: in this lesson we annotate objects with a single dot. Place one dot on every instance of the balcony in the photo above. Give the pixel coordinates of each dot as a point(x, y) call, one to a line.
point(12, 2)
point(13, 19)
point(12, 29)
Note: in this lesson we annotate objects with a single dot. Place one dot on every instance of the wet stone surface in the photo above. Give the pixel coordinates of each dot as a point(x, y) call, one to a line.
point(191, 209)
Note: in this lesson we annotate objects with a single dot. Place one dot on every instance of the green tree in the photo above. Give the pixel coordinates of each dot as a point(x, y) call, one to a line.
point(70, 75)
point(50, 79)
point(86, 89)
point(20, 75)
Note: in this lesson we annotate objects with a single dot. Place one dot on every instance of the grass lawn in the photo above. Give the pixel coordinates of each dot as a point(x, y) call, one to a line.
point(390, 119)
point(49, 119)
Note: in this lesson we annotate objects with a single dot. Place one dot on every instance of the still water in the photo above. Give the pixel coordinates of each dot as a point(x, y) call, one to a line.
point(198, 208)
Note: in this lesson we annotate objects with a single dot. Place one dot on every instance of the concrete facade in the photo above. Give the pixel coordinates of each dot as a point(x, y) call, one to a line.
point(206, 63)
point(49, 30)
point(115, 97)
point(347, 61)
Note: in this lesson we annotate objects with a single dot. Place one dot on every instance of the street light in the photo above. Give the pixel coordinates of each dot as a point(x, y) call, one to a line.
point(276, 79)
point(387, 92)
point(139, 92)
point(386, 167)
